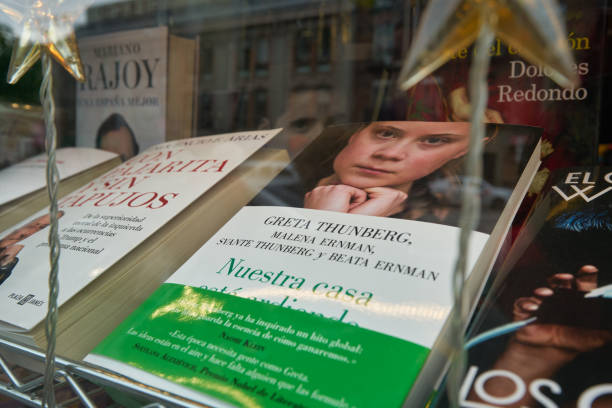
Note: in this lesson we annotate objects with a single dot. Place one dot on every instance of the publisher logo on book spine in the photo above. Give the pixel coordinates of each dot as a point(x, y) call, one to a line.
point(28, 299)
point(25, 299)
point(582, 184)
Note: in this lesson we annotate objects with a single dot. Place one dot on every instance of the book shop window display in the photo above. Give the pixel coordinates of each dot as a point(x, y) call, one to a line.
point(252, 212)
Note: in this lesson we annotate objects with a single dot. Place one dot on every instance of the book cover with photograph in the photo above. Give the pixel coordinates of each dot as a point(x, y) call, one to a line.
point(520, 92)
point(328, 293)
point(354, 168)
point(543, 337)
point(138, 92)
point(123, 233)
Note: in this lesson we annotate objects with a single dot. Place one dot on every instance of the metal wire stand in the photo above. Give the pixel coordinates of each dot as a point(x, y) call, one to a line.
point(80, 384)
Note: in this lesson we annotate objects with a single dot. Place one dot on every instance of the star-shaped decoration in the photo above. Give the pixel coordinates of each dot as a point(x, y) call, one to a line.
point(532, 27)
point(46, 26)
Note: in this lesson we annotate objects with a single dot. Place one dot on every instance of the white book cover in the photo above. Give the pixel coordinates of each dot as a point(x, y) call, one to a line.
point(338, 296)
point(383, 284)
point(29, 175)
point(125, 87)
point(356, 269)
point(104, 220)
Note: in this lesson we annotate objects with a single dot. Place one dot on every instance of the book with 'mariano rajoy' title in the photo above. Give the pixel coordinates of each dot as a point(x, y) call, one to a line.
point(139, 90)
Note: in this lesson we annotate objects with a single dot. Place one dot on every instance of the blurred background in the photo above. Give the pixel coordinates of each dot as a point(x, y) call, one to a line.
point(305, 64)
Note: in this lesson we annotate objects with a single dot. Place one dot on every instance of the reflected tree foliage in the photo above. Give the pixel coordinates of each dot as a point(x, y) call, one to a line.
point(26, 90)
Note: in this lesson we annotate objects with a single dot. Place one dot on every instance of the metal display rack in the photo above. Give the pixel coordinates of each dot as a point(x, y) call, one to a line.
point(82, 383)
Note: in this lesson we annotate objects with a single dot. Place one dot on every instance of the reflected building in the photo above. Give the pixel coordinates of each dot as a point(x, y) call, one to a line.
point(292, 63)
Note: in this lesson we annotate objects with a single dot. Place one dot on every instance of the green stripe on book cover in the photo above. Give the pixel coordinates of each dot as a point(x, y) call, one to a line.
point(255, 354)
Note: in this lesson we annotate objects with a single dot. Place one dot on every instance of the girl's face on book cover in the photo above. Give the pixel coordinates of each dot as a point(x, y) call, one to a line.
point(395, 154)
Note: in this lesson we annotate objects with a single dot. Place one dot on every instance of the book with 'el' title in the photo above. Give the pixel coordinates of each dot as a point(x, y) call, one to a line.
point(543, 337)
